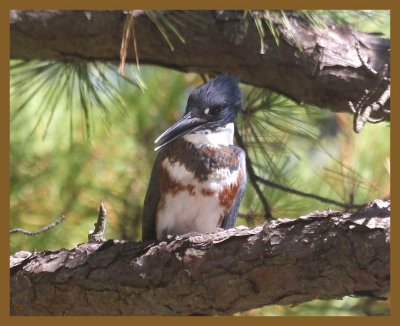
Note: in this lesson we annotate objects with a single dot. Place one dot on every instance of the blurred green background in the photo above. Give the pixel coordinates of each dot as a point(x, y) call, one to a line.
point(68, 154)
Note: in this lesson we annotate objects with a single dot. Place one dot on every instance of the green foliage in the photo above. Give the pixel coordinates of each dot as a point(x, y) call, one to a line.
point(73, 85)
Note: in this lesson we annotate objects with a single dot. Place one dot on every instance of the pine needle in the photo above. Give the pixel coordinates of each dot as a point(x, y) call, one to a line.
point(84, 85)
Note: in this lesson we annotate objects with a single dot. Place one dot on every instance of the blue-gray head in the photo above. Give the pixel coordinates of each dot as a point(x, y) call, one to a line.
point(210, 106)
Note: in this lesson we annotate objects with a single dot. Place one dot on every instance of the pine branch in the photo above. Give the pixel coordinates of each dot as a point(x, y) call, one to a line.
point(326, 74)
point(255, 179)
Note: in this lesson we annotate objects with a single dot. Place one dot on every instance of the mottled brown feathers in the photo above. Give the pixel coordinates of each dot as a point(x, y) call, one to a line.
point(200, 161)
point(168, 185)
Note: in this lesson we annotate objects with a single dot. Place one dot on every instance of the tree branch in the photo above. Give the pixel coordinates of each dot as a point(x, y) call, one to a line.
point(323, 255)
point(319, 67)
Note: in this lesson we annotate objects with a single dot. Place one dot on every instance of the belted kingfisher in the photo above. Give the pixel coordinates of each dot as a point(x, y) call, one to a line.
point(199, 176)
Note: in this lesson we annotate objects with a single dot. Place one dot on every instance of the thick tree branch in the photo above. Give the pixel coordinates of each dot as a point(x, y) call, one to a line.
point(323, 255)
point(326, 71)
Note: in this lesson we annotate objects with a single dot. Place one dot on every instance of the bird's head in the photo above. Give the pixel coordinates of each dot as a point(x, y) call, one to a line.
point(210, 106)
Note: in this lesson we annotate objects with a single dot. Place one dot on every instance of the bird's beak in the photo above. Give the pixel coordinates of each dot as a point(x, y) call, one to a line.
point(185, 125)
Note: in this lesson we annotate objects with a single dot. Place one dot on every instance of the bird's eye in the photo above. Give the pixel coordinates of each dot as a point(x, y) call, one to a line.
point(212, 110)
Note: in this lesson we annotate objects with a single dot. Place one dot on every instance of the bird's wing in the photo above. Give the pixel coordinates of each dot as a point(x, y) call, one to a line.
point(151, 202)
point(230, 218)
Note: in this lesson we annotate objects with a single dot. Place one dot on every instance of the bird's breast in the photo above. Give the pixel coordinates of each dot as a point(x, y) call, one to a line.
point(196, 194)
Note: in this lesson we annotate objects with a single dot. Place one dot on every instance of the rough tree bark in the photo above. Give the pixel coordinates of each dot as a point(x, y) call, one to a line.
point(326, 72)
point(322, 255)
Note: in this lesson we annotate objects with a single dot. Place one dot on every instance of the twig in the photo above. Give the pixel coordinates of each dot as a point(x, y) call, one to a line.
point(305, 194)
point(253, 176)
point(99, 227)
point(43, 229)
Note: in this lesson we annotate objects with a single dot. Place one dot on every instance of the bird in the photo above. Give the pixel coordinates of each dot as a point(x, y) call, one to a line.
point(199, 176)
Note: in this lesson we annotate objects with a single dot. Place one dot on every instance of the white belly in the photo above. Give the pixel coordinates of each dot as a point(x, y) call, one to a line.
point(197, 210)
